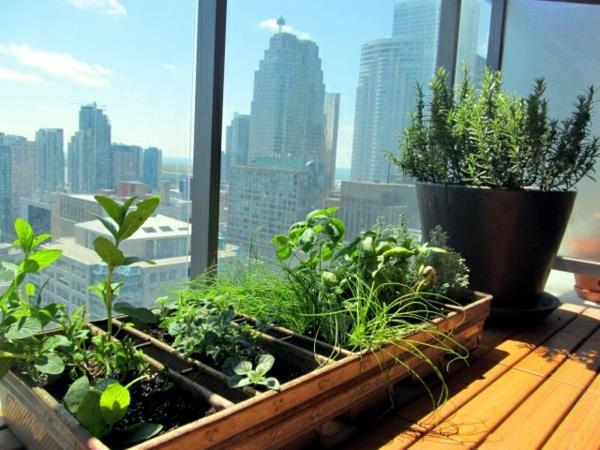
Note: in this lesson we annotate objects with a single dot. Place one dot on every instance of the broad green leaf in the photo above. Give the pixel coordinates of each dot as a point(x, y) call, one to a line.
point(272, 383)
point(45, 257)
point(23, 328)
point(314, 214)
point(398, 252)
point(237, 381)
point(338, 224)
point(90, 415)
point(280, 240)
point(126, 205)
point(243, 367)
point(109, 253)
point(51, 342)
point(283, 253)
point(104, 383)
point(50, 363)
point(39, 239)
point(110, 206)
point(135, 219)
point(25, 234)
point(326, 252)
point(264, 363)
point(367, 244)
point(307, 239)
point(75, 394)
point(114, 402)
point(139, 432)
point(109, 226)
point(134, 259)
point(5, 365)
point(142, 314)
point(30, 289)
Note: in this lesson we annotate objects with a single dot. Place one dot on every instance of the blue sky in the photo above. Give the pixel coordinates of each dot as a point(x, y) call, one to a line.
point(135, 57)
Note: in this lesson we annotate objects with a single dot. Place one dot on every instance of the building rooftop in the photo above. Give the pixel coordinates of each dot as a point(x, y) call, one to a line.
point(158, 226)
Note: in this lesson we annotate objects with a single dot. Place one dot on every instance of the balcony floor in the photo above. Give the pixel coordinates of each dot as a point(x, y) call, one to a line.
point(521, 390)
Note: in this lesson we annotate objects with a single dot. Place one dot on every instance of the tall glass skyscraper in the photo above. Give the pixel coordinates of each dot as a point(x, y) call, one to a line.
point(284, 177)
point(390, 69)
point(49, 143)
point(90, 155)
point(152, 167)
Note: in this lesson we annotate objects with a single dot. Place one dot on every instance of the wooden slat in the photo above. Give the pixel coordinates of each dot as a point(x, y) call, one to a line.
point(8, 441)
point(580, 429)
point(472, 422)
point(471, 381)
point(532, 423)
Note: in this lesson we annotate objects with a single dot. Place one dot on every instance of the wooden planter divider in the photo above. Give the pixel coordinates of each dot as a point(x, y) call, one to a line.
point(342, 382)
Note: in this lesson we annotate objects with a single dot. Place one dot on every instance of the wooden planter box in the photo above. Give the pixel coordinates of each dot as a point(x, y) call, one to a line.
point(266, 420)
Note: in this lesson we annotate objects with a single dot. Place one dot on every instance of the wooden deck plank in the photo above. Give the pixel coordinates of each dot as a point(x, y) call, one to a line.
point(471, 420)
point(580, 429)
point(532, 423)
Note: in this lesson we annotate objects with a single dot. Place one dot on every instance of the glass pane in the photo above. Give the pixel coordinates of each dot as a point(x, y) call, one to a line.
point(473, 38)
point(569, 60)
point(96, 100)
point(313, 100)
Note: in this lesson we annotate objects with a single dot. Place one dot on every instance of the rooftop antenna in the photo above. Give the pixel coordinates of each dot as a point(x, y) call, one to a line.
point(281, 23)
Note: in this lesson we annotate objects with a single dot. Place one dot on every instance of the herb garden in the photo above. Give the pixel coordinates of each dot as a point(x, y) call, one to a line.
point(247, 356)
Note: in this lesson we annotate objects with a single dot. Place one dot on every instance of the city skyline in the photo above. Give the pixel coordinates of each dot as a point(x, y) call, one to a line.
point(147, 94)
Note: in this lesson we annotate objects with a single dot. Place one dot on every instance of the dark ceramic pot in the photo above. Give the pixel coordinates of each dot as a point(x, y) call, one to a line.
point(508, 238)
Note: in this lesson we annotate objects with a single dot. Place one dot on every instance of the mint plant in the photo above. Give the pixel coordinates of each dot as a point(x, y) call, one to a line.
point(118, 357)
point(23, 317)
point(246, 375)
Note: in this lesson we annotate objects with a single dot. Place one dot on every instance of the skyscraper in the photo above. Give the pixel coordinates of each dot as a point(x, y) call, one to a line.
point(90, 155)
point(6, 232)
point(285, 177)
point(390, 69)
point(332, 118)
point(49, 143)
point(238, 133)
point(152, 167)
point(287, 105)
point(127, 163)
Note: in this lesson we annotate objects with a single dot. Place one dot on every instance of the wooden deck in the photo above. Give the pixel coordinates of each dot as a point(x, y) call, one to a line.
point(522, 390)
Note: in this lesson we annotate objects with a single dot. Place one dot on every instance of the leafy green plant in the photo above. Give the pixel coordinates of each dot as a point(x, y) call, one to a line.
point(489, 137)
point(23, 317)
point(246, 375)
point(101, 406)
point(116, 356)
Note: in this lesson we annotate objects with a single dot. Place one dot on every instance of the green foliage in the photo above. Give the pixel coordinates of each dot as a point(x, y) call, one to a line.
point(118, 357)
point(23, 317)
point(203, 327)
point(100, 407)
point(245, 375)
point(489, 137)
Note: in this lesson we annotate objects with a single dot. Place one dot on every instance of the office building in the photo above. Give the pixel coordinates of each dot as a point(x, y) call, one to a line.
point(89, 153)
point(50, 149)
point(390, 69)
point(127, 163)
point(152, 168)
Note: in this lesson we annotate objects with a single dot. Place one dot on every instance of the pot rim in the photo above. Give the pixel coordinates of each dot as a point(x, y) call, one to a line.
point(531, 191)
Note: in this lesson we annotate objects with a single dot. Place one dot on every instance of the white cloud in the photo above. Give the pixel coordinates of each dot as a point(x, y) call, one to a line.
point(108, 7)
point(60, 65)
point(20, 77)
point(271, 24)
point(171, 67)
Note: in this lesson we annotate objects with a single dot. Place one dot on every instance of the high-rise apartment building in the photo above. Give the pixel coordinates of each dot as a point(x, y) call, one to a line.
point(284, 177)
point(50, 149)
point(90, 156)
point(238, 133)
point(6, 232)
point(152, 168)
point(332, 119)
point(127, 163)
point(25, 172)
point(390, 69)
